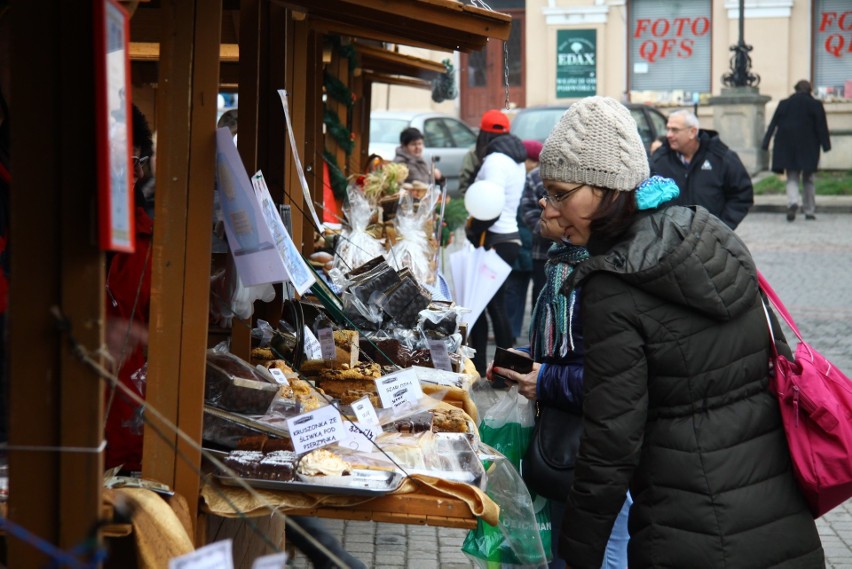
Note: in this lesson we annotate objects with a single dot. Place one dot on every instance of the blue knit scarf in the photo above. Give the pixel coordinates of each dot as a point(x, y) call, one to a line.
point(550, 328)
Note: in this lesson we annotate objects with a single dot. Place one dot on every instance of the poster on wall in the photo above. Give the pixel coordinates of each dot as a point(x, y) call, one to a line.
point(576, 69)
point(114, 136)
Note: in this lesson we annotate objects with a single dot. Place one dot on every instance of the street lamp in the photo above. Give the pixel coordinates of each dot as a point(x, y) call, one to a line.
point(740, 74)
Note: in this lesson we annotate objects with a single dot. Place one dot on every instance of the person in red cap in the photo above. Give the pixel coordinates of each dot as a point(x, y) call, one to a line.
point(493, 124)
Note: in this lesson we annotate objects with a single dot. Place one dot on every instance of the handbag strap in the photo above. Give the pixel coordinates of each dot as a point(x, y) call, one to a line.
point(779, 306)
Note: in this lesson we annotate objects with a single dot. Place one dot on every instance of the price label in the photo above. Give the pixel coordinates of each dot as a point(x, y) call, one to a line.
point(278, 376)
point(360, 437)
point(365, 412)
point(399, 388)
point(214, 556)
point(440, 356)
point(274, 561)
point(313, 350)
point(316, 429)
point(326, 340)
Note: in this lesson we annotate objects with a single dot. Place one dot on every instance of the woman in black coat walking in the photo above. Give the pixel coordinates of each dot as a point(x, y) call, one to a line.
point(802, 129)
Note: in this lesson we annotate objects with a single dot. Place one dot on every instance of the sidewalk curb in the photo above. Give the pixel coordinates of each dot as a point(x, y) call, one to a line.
point(781, 208)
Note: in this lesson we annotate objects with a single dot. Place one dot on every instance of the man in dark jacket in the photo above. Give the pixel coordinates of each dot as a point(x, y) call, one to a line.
point(707, 172)
point(802, 129)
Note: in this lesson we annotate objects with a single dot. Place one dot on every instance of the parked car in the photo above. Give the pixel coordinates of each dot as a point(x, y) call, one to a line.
point(445, 137)
point(536, 122)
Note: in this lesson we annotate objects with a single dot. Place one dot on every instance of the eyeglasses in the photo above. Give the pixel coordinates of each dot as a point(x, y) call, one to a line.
point(556, 199)
point(675, 130)
point(140, 160)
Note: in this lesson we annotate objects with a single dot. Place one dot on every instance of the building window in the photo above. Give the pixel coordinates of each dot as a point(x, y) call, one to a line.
point(669, 48)
point(832, 49)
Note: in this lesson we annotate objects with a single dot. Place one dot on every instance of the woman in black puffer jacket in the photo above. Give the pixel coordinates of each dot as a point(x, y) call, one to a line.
point(676, 405)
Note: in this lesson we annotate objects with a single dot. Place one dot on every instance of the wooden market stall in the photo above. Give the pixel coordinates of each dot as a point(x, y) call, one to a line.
point(187, 50)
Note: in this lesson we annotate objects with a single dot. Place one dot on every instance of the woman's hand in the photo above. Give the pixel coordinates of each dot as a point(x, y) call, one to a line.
point(527, 382)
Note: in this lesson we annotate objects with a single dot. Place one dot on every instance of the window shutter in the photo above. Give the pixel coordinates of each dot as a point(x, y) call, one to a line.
point(669, 45)
point(833, 48)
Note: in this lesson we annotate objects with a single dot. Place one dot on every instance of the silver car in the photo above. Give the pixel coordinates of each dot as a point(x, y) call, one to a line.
point(445, 137)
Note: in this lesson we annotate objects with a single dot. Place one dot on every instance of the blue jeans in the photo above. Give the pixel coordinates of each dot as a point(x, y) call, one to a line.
point(616, 548)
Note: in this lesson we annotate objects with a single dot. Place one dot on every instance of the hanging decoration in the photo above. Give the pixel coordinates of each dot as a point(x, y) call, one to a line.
point(444, 86)
point(338, 131)
point(337, 90)
point(336, 177)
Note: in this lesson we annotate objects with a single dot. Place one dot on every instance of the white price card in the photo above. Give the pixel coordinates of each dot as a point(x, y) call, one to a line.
point(360, 437)
point(326, 340)
point(274, 561)
point(316, 429)
point(278, 376)
point(399, 388)
point(313, 350)
point(214, 556)
point(365, 412)
point(440, 356)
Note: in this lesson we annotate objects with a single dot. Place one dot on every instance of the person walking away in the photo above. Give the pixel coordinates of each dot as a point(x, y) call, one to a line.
point(676, 404)
point(707, 172)
point(492, 124)
point(800, 128)
point(518, 283)
point(410, 153)
point(503, 165)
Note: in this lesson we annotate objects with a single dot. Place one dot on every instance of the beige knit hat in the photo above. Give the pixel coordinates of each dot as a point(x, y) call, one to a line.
point(595, 142)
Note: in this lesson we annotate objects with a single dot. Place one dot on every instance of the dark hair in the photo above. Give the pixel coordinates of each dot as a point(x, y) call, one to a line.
point(142, 137)
point(482, 141)
point(410, 135)
point(614, 213)
point(803, 86)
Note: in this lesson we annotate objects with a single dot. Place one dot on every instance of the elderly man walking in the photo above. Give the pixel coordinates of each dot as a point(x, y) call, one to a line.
point(801, 130)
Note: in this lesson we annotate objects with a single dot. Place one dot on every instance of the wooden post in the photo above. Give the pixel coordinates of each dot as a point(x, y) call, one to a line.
point(188, 89)
point(55, 399)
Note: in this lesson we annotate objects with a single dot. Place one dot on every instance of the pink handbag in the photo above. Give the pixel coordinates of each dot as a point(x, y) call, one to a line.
point(816, 406)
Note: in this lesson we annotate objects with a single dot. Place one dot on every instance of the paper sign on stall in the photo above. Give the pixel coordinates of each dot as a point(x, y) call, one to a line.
point(299, 274)
point(255, 256)
point(316, 429)
point(217, 555)
point(313, 350)
point(360, 436)
point(440, 355)
point(399, 388)
point(274, 561)
point(365, 412)
point(278, 376)
point(326, 340)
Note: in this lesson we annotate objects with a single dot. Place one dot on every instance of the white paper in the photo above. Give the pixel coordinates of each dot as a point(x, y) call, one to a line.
point(255, 256)
point(214, 556)
point(313, 350)
point(440, 356)
point(309, 203)
point(316, 429)
point(298, 272)
point(438, 376)
point(326, 340)
point(360, 436)
point(365, 412)
point(278, 376)
point(274, 561)
point(399, 388)
point(477, 275)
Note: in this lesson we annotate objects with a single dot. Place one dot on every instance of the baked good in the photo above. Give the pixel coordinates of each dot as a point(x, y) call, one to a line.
point(279, 465)
point(449, 421)
point(322, 462)
point(243, 462)
point(417, 423)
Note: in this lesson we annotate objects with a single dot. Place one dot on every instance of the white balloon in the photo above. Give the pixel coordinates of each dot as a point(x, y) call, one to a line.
point(484, 200)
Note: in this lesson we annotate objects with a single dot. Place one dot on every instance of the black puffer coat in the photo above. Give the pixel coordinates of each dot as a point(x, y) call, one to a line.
point(676, 406)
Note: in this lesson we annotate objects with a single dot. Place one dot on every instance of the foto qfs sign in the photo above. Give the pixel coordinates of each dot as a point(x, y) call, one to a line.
point(836, 27)
point(664, 38)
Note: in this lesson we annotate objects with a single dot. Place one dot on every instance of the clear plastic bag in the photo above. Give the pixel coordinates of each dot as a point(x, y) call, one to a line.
point(416, 246)
point(355, 246)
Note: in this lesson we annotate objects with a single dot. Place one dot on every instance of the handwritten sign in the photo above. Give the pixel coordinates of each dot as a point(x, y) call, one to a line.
point(365, 412)
point(278, 376)
point(440, 356)
point(360, 436)
point(399, 388)
point(326, 340)
point(316, 429)
point(214, 556)
point(313, 350)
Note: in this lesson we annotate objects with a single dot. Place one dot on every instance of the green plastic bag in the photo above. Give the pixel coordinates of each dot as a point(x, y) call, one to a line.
point(522, 536)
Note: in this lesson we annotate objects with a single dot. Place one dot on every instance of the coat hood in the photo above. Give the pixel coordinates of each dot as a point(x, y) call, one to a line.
point(683, 255)
point(510, 145)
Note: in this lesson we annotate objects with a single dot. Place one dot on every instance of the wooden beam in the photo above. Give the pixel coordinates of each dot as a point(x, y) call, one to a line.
point(55, 406)
point(389, 62)
point(150, 51)
point(397, 80)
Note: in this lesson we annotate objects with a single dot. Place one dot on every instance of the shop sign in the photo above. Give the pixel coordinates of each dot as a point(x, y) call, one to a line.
point(835, 29)
point(662, 38)
point(576, 63)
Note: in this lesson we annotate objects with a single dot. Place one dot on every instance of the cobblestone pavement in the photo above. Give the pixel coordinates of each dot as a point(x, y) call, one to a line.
point(810, 266)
